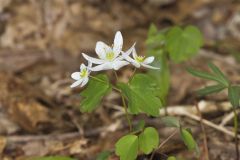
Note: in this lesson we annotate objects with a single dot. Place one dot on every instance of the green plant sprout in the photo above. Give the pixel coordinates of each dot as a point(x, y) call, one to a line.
point(222, 83)
point(143, 93)
point(173, 44)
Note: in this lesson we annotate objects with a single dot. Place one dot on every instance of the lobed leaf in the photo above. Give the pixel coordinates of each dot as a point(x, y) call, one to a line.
point(188, 139)
point(94, 93)
point(141, 95)
point(127, 147)
point(148, 140)
point(182, 44)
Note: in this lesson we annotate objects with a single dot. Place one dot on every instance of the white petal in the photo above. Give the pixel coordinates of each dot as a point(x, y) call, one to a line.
point(101, 67)
point(119, 58)
point(93, 60)
point(76, 83)
point(101, 49)
point(130, 50)
point(84, 82)
point(89, 64)
point(132, 61)
point(128, 58)
point(118, 43)
point(82, 66)
point(76, 75)
point(134, 53)
point(148, 60)
point(119, 64)
point(136, 64)
point(148, 66)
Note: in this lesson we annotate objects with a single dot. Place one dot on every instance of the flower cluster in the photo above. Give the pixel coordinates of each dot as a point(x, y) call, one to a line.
point(110, 58)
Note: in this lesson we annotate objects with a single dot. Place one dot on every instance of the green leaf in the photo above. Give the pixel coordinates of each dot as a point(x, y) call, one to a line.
point(234, 95)
point(127, 147)
point(182, 44)
point(211, 89)
point(204, 75)
point(52, 158)
point(188, 139)
point(155, 47)
point(219, 74)
point(155, 38)
point(171, 121)
point(172, 158)
point(148, 140)
point(162, 75)
point(94, 93)
point(141, 95)
point(140, 126)
point(103, 155)
point(152, 31)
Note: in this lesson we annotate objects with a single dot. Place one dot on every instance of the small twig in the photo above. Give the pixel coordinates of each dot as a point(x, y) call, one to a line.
point(188, 111)
point(210, 124)
point(204, 133)
point(163, 143)
point(227, 118)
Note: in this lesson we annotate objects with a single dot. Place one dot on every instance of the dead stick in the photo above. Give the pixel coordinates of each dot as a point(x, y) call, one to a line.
point(204, 133)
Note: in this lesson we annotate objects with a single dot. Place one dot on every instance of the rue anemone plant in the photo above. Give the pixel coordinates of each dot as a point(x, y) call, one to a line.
point(144, 93)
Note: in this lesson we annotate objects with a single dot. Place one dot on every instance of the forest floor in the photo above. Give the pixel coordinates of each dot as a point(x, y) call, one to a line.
point(41, 44)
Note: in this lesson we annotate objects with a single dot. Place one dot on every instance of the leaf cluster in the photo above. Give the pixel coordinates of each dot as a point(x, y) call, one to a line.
point(175, 43)
point(129, 145)
point(222, 83)
point(186, 135)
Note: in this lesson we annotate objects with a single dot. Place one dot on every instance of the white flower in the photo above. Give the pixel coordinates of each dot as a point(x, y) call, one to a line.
point(138, 61)
point(82, 76)
point(109, 57)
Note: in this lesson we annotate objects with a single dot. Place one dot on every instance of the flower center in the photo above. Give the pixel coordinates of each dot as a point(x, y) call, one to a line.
point(140, 59)
point(110, 56)
point(83, 73)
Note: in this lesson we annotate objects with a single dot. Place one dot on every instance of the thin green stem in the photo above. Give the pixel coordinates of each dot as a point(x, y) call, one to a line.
point(236, 132)
point(126, 113)
point(99, 80)
point(125, 107)
point(135, 69)
point(115, 73)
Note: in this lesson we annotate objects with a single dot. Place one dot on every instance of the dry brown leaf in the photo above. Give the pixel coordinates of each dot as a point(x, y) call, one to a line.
point(78, 146)
point(3, 143)
point(28, 114)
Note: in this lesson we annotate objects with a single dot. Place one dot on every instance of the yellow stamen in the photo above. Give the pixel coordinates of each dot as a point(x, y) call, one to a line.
point(140, 59)
point(84, 72)
point(109, 56)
